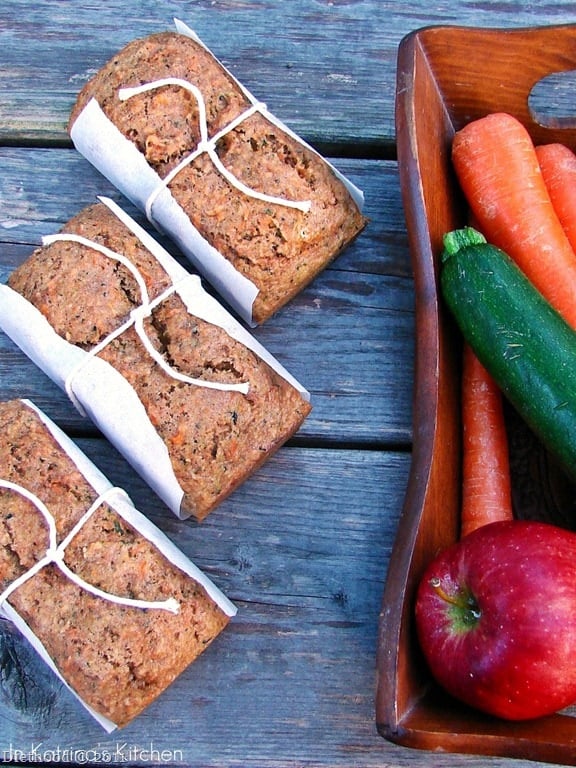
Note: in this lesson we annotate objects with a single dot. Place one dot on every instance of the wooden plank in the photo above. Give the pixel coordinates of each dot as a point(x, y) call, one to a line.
point(40, 189)
point(318, 66)
point(342, 337)
point(292, 678)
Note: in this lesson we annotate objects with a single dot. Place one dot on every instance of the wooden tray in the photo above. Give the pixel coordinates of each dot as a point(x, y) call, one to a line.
point(446, 77)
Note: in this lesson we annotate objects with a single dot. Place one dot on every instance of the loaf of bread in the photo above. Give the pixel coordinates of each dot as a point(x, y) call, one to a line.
point(110, 603)
point(258, 211)
point(189, 397)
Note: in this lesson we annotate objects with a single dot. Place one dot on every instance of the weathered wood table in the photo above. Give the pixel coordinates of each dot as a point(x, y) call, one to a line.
point(302, 548)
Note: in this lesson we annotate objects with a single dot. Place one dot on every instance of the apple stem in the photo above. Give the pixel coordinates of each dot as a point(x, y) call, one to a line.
point(460, 599)
point(436, 585)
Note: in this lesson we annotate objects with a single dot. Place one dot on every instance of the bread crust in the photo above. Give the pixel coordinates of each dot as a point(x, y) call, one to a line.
point(117, 658)
point(278, 248)
point(215, 438)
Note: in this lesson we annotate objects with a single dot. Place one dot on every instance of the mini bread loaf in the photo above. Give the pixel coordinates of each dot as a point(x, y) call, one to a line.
point(302, 213)
point(126, 619)
point(219, 409)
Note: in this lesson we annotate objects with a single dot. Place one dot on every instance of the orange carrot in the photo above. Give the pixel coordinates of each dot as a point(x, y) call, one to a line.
point(497, 167)
point(558, 166)
point(486, 482)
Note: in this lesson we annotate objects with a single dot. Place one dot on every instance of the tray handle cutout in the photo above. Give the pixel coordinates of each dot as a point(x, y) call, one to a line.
point(552, 101)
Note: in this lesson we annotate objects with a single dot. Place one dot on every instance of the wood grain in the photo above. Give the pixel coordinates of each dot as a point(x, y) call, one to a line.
point(39, 191)
point(302, 644)
point(318, 65)
point(498, 76)
point(304, 546)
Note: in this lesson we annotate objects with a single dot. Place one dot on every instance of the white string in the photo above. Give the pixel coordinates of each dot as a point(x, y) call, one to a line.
point(137, 317)
point(208, 146)
point(55, 553)
point(139, 314)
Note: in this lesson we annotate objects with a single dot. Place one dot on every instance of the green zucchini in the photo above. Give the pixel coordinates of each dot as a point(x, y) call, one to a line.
point(528, 348)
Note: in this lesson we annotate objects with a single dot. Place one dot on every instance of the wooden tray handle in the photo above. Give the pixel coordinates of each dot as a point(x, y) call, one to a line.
point(517, 67)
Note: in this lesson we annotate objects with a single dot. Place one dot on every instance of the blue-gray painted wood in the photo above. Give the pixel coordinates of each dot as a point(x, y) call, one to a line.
point(303, 546)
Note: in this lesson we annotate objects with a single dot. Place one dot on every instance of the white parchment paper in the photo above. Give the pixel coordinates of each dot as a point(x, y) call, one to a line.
point(124, 506)
point(101, 391)
point(117, 158)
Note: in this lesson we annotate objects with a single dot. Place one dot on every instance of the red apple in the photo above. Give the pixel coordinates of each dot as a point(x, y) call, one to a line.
point(496, 619)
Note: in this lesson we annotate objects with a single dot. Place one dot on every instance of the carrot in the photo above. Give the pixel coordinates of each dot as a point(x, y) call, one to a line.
point(497, 167)
point(486, 481)
point(487, 484)
point(558, 166)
